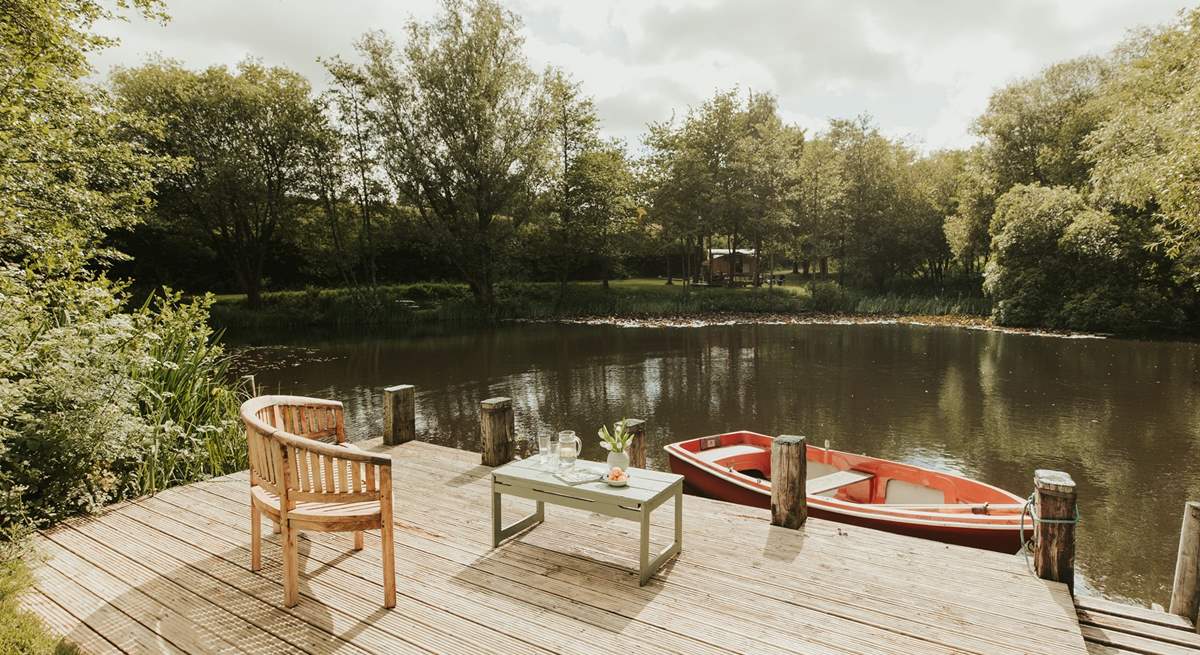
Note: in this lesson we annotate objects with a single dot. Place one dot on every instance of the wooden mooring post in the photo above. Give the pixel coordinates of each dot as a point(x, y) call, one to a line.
point(1054, 527)
point(1185, 592)
point(789, 471)
point(399, 414)
point(637, 447)
point(496, 428)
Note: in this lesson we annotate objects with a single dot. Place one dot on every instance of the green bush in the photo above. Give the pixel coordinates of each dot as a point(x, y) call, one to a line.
point(98, 404)
point(829, 297)
point(1059, 263)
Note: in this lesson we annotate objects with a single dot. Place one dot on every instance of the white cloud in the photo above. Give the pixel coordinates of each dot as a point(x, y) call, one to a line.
point(923, 68)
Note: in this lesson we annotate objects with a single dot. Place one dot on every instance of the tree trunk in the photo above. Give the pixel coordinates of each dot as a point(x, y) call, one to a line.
point(796, 266)
point(825, 268)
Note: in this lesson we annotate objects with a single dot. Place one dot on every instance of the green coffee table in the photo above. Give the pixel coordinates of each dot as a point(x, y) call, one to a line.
point(646, 491)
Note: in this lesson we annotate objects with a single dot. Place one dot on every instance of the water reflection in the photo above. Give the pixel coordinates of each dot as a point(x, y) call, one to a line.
point(1121, 416)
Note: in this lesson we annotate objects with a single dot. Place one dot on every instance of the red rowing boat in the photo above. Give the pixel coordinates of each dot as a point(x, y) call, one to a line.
point(867, 491)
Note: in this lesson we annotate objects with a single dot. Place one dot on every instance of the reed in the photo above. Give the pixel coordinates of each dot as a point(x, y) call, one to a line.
point(189, 403)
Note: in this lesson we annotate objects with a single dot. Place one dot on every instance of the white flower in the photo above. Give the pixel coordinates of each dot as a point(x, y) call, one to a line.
point(605, 445)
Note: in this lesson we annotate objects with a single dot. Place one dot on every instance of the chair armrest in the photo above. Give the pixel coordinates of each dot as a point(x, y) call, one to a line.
point(339, 451)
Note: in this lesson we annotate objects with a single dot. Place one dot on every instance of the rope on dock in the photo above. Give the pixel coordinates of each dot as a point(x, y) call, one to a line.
point(1030, 509)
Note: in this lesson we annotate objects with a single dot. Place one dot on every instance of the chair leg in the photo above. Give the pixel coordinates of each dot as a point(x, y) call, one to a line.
point(291, 568)
point(255, 538)
point(389, 563)
point(358, 540)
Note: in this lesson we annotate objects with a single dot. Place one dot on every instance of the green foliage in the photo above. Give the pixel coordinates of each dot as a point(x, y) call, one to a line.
point(21, 632)
point(1059, 263)
point(1147, 152)
point(246, 138)
point(86, 387)
point(1035, 128)
point(830, 297)
point(464, 128)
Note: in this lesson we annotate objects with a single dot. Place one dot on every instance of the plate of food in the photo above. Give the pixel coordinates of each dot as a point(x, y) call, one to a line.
point(616, 477)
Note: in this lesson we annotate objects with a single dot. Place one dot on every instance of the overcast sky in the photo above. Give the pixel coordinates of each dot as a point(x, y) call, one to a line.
point(922, 68)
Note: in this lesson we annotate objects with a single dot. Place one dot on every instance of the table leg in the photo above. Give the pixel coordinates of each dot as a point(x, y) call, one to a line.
point(648, 568)
point(499, 532)
point(644, 570)
point(679, 518)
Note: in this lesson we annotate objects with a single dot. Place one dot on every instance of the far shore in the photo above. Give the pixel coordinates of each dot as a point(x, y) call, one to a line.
point(710, 319)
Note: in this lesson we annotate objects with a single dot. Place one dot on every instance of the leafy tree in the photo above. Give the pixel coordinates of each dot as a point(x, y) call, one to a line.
point(817, 202)
point(870, 235)
point(464, 125)
point(1034, 129)
point(87, 387)
point(934, 180)
point(1058, 262)
point(966, 229)
point(765, 160)
point(352, 149)
point(1147, 151)
point(674, 186)
point(244, 135)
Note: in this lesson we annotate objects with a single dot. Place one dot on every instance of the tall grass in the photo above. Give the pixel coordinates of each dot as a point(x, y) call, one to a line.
point(188, 402)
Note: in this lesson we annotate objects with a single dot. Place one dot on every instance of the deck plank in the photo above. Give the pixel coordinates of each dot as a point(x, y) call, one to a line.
point(169, 574)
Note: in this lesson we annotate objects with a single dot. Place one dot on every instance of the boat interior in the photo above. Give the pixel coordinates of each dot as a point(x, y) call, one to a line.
point(849, 477)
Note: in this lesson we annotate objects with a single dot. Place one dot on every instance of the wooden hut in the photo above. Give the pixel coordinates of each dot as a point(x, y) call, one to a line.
point(726, 264)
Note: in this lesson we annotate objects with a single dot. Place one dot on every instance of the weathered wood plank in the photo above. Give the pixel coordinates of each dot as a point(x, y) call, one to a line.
point(1104, 606)
point(755, 603)
point(739, 586)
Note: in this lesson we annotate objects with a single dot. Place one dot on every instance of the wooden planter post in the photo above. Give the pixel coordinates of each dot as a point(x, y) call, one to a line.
point(1185, 592)
point(637, 447)
point(496, 428)
point(1054, 528)
point(789, 467)
point(399, 414)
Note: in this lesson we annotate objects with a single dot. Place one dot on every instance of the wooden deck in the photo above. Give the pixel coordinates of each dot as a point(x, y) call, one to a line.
point(170, 574)
point(1114, 629)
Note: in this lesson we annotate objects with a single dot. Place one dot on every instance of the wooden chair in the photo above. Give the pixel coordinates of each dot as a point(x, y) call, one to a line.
point(302, 483)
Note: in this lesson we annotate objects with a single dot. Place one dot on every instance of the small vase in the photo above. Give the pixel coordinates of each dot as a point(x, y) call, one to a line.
point(618, 459)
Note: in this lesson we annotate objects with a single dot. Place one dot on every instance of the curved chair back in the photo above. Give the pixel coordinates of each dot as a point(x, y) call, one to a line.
point(287, 459)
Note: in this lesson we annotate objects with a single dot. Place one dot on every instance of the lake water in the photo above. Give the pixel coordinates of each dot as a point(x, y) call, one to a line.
point(1122, 417)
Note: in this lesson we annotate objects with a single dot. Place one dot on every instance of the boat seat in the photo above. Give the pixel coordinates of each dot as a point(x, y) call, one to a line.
point(833, 481)
point(714, 454)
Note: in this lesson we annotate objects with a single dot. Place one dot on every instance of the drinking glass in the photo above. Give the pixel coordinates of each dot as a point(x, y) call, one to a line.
point(568, 449)
point(543, 448)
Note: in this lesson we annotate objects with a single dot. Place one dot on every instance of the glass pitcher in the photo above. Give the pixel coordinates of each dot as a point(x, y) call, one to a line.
point(569, 446)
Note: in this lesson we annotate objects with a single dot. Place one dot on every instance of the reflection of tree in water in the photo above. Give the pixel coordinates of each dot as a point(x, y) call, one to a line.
point(1121, 416)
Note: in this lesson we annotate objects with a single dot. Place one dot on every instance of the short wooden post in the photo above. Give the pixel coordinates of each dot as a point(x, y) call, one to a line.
point(637, 447)
point(789, 470)
point(496, 428)
point(1054, 529)
point(399, 414)
point(1185, 592)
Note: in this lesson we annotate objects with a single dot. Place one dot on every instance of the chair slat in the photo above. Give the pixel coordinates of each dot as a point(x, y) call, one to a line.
point(371, 478)
point(343, 485)
point(330, 482)
point(357, 472)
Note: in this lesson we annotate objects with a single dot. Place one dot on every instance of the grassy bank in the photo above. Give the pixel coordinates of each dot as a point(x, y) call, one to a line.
point(640, 298)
